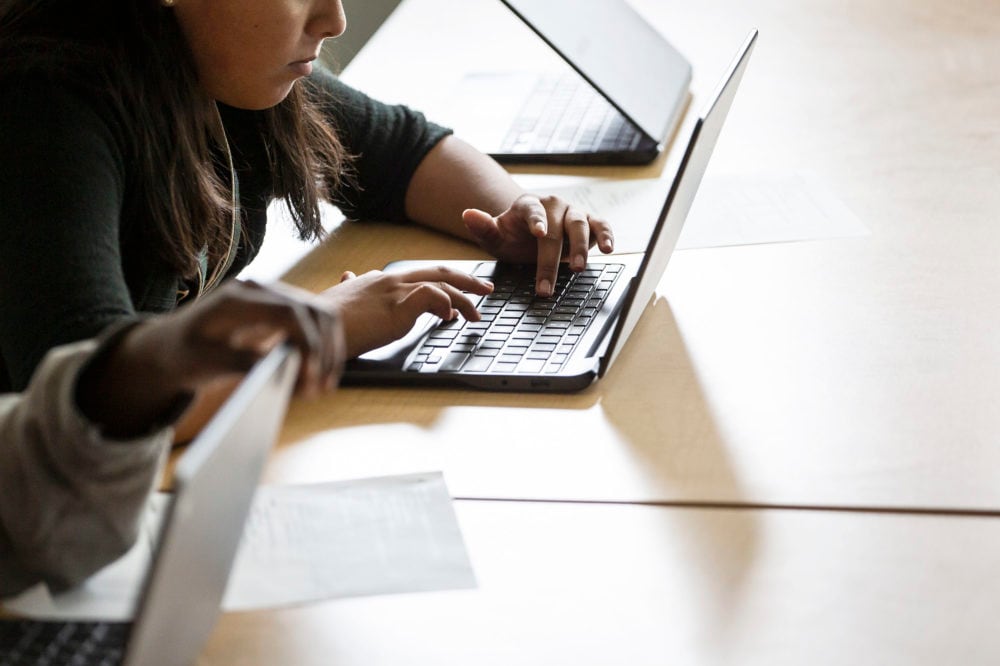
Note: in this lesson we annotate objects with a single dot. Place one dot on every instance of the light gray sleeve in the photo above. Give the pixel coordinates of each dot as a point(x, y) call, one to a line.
point(70, 500)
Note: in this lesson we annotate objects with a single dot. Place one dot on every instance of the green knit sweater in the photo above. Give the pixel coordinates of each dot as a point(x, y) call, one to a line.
point(71, 259)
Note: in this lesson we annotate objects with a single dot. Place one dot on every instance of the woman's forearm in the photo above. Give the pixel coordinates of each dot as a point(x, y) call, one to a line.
point(455, 176)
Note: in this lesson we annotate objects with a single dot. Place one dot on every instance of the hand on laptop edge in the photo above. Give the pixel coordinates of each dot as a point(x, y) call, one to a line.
point(143, 373)
point(539, 229)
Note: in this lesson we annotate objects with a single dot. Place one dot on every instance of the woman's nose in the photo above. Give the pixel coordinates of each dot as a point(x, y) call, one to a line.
point(328, 19)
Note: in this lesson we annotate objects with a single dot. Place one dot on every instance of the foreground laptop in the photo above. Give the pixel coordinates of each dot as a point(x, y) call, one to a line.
point(562, 343)
point(618, 103)
point(214, 484)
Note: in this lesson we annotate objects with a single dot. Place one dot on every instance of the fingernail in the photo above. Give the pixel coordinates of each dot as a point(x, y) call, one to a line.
point(578, 262)
point(544, 288)
point(609, 243)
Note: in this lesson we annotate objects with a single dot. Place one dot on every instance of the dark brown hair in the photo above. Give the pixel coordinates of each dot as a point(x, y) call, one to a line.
point(134, 51)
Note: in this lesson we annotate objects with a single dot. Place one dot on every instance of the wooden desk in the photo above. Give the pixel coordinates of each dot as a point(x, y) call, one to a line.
point(852, 372)
point(857, 372)
point(593, 585)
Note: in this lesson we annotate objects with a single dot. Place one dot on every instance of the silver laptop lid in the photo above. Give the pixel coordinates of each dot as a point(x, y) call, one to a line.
point(618, 53)
point(679, 199)
point(214, 484)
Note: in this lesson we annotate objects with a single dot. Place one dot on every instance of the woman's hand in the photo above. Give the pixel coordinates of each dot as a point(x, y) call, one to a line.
point(542, 230)
point(232, 328)
point(218, 337)
point(378, 308)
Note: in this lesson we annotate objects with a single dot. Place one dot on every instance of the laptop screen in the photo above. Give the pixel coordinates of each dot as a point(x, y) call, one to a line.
point(617, 52)
point(689, 174)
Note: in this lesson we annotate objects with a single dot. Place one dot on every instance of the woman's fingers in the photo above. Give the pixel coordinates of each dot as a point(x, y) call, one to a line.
point(330, 351)
point(576, 231)
point(484, 229)
point(379, 307)
point(601, 233)
point(535, 214)
point(546, 230)
point(450, 276)
point(550, 248)
point(439, 290)
point(249, 319)
point(298, 324)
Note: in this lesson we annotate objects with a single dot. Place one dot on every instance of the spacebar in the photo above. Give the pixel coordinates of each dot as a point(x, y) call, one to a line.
point(453, 361)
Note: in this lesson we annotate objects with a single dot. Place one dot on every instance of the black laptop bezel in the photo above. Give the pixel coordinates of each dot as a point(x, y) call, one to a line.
point(649, 147)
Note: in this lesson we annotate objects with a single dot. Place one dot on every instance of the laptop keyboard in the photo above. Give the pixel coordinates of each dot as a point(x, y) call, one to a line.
point(36, 643)
point(564, 114)
point(519, 332)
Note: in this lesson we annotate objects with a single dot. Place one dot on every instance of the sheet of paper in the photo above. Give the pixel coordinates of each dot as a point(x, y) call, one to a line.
point(730, 209)
point(383, 535)
point(305, 543)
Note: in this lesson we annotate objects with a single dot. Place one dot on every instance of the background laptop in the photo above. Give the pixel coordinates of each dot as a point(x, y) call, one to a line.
point(618, 104)
point(214, 484)
point(563, 343)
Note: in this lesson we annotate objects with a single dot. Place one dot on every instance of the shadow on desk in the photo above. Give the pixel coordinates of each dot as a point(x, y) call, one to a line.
point(644, 433)
point(655, 401)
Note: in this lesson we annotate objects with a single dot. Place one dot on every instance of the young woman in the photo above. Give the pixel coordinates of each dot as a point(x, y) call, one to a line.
point(81, 449)
point(143, 139)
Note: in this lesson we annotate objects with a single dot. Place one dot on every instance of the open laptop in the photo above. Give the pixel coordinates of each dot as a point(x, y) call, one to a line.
point(563, 343)
point(214, 484)
point(618, 103)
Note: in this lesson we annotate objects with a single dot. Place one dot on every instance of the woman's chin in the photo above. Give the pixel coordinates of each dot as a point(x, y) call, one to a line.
point(258, 101)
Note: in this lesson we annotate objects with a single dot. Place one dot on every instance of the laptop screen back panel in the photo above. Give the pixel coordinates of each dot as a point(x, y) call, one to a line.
point(214, 484)
point(614, 49)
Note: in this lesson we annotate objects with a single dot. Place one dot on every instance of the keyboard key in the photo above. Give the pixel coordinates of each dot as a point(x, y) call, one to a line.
point(530, 366)
point(478, 364)
point(443, 334)
point(454, 361)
